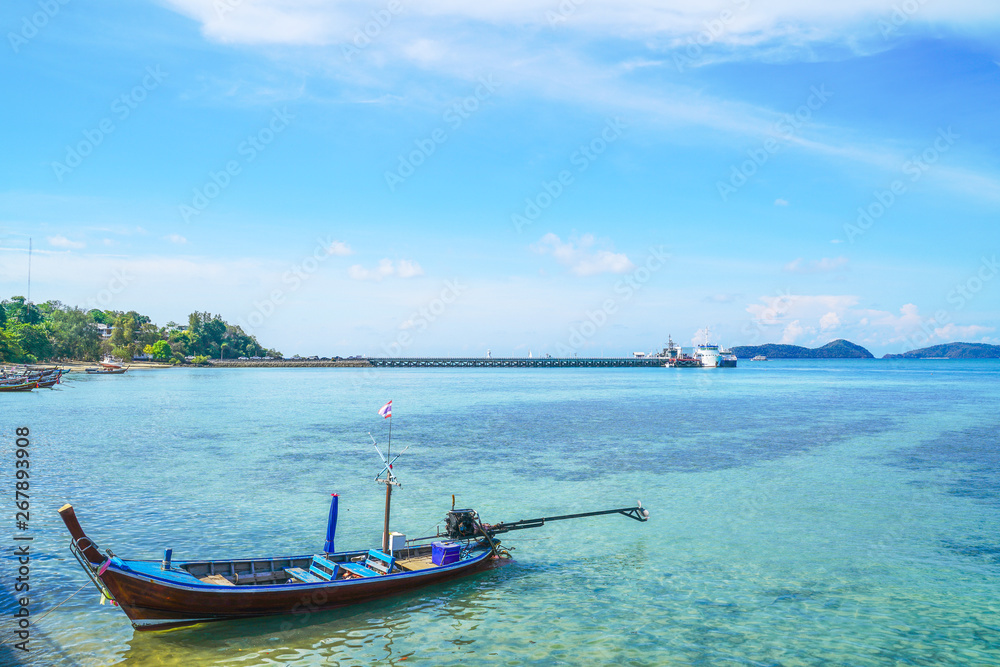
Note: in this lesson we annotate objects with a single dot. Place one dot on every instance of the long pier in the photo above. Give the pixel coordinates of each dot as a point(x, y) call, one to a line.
point(516, 362)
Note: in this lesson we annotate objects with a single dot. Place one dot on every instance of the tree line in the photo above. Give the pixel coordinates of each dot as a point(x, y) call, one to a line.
point(31, 333)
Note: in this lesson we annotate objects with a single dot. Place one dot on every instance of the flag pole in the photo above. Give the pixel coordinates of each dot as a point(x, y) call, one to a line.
point(388, 488)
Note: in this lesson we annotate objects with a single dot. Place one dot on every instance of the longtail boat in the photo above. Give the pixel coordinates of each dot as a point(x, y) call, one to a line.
point(106, 371)
point(19, 386)
point(167, 593)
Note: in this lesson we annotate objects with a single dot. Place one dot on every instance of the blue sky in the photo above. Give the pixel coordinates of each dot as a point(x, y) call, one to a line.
point(575, 177)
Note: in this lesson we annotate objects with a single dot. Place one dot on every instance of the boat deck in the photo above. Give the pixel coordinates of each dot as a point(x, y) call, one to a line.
point(416, 563)
point(270, 571)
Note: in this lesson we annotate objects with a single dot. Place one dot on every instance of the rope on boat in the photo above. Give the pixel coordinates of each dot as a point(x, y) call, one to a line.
point(62, 603)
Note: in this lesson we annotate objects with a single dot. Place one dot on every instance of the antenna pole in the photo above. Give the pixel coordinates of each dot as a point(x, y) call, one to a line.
point(29, 269)
point(388, 489)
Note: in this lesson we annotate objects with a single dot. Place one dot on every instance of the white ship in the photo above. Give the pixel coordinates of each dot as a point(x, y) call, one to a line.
point(712, 357)
point(708, 354)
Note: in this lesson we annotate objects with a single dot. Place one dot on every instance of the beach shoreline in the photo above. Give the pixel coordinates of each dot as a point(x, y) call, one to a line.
point(77, 365)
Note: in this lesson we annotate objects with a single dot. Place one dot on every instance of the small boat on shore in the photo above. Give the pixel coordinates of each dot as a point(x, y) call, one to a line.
point(105, 371)
point(164, 594)
point(110, 362)
point(25, 379)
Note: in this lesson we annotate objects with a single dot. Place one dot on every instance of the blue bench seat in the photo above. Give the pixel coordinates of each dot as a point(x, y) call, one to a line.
point(360, 570)
point(303, 576)
point(325, 569)
point(380, 562)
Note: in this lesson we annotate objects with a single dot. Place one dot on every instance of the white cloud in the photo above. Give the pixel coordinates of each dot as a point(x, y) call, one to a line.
point(313, 22)
point(60, 241)
point(404, 268)
point(952, 332)
point(579, 257)
point(810, 307)
point(461, 40)
point(176, 238)
point(902, 325)
point(799, 316)
point(829, 322)
point(339, 249)
point(825, 265)
point(780, 202)
point(793, 331)
point(701, 336)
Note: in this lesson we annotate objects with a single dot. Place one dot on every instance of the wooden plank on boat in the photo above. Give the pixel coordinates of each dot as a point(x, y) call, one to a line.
point(302, 575)
point(359, 570)
point(217, 580)
point(413, 564)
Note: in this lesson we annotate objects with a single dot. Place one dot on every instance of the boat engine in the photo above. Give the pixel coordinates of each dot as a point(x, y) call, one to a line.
point(461, 524)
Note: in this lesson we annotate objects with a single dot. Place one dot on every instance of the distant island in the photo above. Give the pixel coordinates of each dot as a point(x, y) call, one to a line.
point(951, 351)
point(837, 349)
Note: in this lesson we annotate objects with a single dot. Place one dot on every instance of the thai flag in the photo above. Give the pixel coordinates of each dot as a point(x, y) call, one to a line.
point(386, 410)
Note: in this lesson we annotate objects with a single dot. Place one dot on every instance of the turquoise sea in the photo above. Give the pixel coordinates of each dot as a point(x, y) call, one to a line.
point(802, 512)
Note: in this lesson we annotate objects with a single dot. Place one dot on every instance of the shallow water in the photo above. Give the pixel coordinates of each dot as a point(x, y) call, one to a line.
point(802, 512)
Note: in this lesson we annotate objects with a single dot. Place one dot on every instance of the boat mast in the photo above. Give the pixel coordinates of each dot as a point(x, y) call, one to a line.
point(390, 477)
point(388, 490)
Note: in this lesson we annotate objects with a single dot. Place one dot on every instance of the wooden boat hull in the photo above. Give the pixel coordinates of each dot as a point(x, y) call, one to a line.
point(26, 386)
point(153, 603)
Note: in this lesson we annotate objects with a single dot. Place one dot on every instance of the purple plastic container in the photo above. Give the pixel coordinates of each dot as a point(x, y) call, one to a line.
point(445, 553)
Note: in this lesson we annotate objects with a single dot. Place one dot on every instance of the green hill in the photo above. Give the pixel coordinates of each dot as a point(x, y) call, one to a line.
point(837, 349)
point(951, 351)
